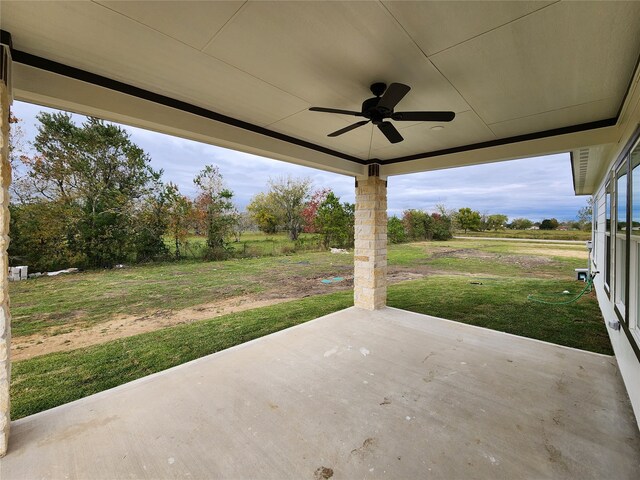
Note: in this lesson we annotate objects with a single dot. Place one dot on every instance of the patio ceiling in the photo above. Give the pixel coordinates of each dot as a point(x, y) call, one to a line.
point(510, 70)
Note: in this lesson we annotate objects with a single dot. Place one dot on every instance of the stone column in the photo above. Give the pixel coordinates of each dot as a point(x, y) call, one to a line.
point(370, 255)
point(5, 318)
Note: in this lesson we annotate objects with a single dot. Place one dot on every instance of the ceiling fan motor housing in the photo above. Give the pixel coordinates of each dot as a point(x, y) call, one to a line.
point(372, 111)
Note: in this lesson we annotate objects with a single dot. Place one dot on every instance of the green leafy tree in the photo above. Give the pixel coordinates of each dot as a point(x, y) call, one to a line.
point(38, 240)
point(215, 202)
point(549, 224)
point(262, 209)
point(335, 222)
point(496, 221)
point(101, 180)
point(150, 222)
point(468, 219)
point(441, 227)
point(521, 224)
point(180, 216)
point(395, 230)
point(417, 224)
point(288, 197)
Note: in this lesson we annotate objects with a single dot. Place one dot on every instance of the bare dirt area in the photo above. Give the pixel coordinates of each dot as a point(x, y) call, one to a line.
point(526, 261)
point(555, 252)
point(127, 326)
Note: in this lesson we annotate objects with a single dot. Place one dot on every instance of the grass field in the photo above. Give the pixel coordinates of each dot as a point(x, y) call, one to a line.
point(532, 234)
point(251, 244)
point(480, 282)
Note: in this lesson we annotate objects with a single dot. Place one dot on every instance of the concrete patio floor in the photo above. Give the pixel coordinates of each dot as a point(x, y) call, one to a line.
point(355, 394)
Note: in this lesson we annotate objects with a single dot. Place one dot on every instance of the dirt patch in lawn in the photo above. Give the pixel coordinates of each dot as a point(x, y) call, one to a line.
point(526, 261)
point(555, 252)
point(122, 326)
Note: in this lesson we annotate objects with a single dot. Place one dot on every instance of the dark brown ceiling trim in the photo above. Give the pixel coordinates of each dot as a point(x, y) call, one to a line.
point(94, 79)
point(105, 82)
point(505, 141)
point(5, 39)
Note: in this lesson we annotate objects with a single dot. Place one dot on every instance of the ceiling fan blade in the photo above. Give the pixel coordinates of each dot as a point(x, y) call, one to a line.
point(395, 92)
point(390, 132)
point(348, 129)
point(423, 116)
point(335, 110)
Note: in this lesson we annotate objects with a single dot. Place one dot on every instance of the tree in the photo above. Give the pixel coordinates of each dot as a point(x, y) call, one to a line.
point(585, 215)
point(40, 242)
point(310, 210)
point(244, 223)
point(496, 221)
point(149, 223)
point(549, 224)
point(216, 206)
point(468, 219)
point(288, 197)
point(18, 189)
point(441, 226)
point(262, 210)
point(395, 230)
point(180, 215)
point(101, 180)
point(334, 222)
point(417, 224)
point(521, 224)
point(484, 222)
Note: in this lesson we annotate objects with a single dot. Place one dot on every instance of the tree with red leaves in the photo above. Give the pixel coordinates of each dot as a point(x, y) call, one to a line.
point(310, 211)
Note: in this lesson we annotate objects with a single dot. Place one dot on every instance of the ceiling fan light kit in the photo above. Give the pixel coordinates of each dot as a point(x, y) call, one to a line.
point(381, 107)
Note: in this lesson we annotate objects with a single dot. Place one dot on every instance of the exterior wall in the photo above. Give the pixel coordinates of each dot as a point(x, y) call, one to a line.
point(5, 318)
point(627, 359)
point(370, 255)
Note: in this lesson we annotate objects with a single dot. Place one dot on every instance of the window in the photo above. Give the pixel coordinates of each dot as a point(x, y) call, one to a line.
point(621, 199)
point(620, 286)
point(594, 230)
point(635, 191)
point(607, 238)
point(634, 238)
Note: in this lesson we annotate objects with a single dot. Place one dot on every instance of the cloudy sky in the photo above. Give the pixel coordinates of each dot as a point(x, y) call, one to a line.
point(534, 188)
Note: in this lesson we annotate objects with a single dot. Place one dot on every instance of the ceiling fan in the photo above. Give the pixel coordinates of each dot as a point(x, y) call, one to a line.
point(380, 107)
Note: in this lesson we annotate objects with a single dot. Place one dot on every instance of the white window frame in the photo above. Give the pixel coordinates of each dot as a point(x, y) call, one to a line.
point(634, 265)
point(619, 239)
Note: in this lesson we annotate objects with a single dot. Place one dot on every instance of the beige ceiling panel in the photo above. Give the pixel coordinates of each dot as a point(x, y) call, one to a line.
point(588, 112)
point(315, 126)
point(190, 22)
point(569, 53)
point(330, 52)
point(135, 54)
point(436, 26)
point(466, 129)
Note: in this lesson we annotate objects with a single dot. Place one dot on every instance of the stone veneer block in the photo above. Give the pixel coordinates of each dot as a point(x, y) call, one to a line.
point(5, 317)
point(370, 257)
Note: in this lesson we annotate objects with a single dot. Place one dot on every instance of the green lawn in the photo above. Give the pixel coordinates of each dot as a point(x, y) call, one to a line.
point(484, 283)
point(54, 303)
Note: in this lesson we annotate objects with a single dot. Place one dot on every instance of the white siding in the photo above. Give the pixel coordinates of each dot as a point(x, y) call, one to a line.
point(628, 362)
